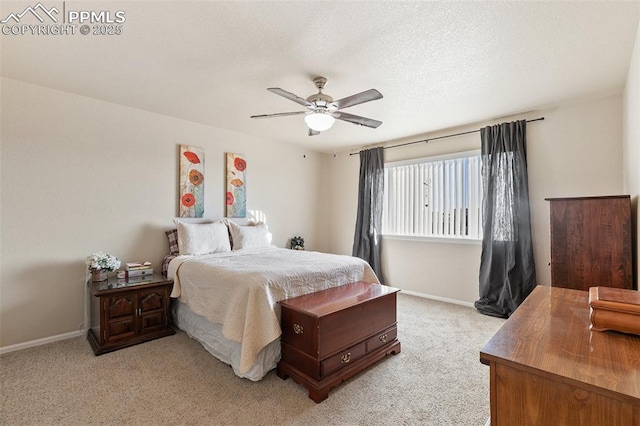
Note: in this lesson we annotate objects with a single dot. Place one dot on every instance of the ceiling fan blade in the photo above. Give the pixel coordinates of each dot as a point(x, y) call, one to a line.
point(313, 132)
point(356, 119)
point(359, 98)
point(279, 114)
point(295, 98)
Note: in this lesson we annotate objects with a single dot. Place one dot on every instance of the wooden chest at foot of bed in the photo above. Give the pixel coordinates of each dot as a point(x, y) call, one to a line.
point(332, 335)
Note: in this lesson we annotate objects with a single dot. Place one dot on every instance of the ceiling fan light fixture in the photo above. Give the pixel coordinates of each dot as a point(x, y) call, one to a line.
point(319, 120)
point(323, 111)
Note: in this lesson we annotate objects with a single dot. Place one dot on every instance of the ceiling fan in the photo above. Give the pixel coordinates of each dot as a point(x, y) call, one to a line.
point(323, 110)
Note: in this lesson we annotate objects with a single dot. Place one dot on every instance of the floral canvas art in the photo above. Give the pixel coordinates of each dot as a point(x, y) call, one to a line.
point(191, 181)
point(236, 199)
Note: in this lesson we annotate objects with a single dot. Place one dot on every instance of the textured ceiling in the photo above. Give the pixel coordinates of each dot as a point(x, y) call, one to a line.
point(438, 64)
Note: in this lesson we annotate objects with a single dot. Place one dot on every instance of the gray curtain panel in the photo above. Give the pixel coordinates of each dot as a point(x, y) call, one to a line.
point(367, 239)
point(507, 268)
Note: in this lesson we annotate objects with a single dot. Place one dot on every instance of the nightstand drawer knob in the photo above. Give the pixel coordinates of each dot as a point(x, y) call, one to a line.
point(383, 338)
point(298, 329)
point(345, 358)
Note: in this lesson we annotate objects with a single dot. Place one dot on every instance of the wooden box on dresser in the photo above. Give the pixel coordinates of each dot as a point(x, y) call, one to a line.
point(128, 312)
point(591, 242)
point(331, 335)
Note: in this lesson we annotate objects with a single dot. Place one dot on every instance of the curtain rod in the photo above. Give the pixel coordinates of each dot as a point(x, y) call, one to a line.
point(440, 137)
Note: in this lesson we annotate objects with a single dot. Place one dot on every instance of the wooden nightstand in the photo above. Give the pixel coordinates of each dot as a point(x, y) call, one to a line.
point(125, 313)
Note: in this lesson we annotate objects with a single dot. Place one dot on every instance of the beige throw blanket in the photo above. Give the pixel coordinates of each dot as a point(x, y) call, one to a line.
point(240, 289)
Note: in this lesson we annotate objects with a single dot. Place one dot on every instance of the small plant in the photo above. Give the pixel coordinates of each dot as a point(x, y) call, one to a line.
point(297, 243)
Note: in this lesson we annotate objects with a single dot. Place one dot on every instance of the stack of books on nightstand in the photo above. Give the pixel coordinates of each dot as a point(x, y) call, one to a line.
point(138, 271)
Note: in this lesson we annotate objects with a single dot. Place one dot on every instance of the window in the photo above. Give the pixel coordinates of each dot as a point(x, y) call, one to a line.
point(434, 197)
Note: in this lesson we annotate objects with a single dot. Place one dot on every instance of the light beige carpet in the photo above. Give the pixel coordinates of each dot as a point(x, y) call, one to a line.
point(436, 380)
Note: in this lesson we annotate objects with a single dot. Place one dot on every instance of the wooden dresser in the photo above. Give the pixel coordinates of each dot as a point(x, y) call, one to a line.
point(548, 368)
point(591, 242)
point(329, 336)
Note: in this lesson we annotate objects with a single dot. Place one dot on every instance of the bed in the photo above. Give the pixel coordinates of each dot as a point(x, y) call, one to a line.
point(227, 298)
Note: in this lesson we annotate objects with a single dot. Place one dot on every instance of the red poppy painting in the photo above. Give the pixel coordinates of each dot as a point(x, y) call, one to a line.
point(188, 200)
point(191, 202)
point(236, 201)
point(239, 164)
point(192, 157)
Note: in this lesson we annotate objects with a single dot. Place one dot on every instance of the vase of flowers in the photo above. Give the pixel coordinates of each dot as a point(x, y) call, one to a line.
point(100, 264)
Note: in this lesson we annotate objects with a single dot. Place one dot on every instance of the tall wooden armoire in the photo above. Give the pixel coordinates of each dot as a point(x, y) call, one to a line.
point(591, 242)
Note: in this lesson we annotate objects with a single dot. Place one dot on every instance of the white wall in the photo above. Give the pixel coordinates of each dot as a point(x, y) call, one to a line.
point(632, 144)
point(80, 175)
point(575, 151)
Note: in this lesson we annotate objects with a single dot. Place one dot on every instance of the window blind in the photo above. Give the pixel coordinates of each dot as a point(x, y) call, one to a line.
point(434, 198)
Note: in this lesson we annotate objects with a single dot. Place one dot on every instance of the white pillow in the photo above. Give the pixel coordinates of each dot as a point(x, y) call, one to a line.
point(202, 238)
point(251, 236)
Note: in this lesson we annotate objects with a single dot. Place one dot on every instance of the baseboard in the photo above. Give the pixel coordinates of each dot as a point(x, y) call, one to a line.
point(43, 341)
point(488, 423)
point(438, 298)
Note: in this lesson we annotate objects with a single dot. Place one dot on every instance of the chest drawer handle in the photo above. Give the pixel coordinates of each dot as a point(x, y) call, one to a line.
point(345, 358)
point(383, 338)
point(298, 329)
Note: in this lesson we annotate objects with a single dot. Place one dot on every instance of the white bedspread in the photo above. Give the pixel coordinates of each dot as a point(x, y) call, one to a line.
point(240, 289)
